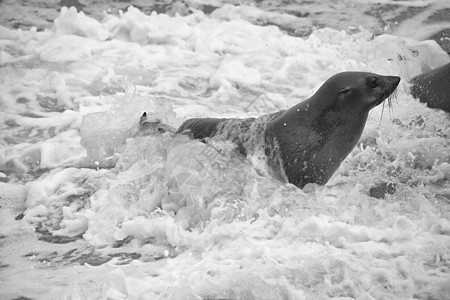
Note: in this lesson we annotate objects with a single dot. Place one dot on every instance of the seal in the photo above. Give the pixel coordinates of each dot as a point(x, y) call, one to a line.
point(433, 88)
point(307, 142)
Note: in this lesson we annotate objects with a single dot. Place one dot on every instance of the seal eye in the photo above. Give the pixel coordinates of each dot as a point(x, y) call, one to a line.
point(372, 82)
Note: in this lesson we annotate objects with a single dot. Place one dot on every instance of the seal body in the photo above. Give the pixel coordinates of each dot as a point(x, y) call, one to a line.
point(433, 88)
point(308, 142)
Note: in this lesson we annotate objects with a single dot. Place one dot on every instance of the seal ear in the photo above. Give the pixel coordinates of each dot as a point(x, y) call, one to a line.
point(342, 98)
point(345, 91)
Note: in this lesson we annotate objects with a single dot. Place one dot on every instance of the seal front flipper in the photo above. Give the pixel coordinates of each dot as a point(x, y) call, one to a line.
point(200, 128)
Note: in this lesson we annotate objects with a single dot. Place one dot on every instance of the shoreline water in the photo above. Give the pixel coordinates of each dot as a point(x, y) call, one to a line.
point(379, 229)
point(377, 18)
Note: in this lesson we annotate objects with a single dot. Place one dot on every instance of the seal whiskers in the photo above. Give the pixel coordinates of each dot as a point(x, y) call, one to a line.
point(390, 107)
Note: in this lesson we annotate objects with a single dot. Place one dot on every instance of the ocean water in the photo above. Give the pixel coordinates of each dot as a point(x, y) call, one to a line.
point(95, 207)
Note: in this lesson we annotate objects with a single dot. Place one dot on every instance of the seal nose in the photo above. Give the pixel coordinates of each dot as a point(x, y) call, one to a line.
point(394, 80)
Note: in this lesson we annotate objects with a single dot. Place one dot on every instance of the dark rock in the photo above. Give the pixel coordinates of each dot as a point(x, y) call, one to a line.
point(380, 190)
point(443, 39)
point(92, 259)
point(70, 3)
point(433, 88)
